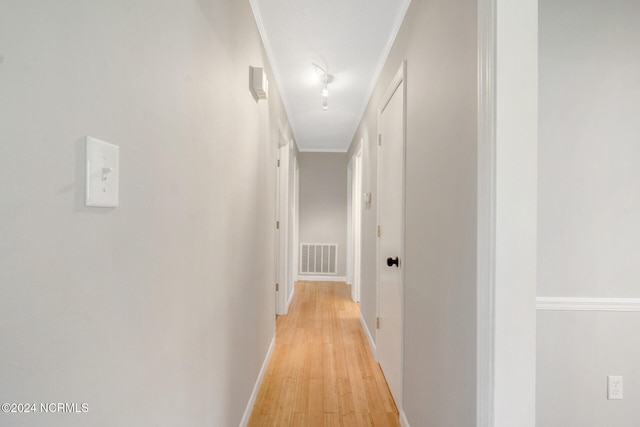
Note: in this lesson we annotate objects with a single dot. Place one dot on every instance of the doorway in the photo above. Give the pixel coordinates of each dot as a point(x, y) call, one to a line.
point(354, 221)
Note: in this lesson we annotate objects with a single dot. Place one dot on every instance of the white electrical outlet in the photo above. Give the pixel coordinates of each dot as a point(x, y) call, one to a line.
point(614, 387)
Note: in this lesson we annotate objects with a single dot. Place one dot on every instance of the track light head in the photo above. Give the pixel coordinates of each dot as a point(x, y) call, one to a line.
point(325, 78)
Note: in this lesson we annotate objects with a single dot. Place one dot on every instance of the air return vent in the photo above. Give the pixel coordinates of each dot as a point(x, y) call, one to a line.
point(318, 258)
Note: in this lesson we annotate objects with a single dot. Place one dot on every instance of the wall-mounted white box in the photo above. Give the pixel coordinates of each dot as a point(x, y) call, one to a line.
point(259, 83)
point(102, 173)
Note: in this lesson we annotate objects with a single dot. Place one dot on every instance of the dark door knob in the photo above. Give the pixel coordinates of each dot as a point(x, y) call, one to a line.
point(393, 261)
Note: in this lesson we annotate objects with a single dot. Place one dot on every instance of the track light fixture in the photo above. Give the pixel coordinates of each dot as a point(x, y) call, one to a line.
point(325, 79)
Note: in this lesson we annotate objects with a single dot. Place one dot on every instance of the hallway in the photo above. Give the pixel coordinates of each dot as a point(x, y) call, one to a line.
point(322, 371)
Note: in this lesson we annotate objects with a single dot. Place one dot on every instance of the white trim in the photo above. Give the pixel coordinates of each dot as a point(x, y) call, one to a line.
point(372, 343)
point(296, 221)
point(293, 224)
point(322, 150)
point(382, 61)
point(398, 79)
point(282, 233)
point(516, 207)
point(587, 304)
point(282, 136)
point(374, 77)
point(271, 59)
point(350, 239)
point(358, 183)
point(403, 420)
point(256, 388)
point(486, 215)
point(310, 278)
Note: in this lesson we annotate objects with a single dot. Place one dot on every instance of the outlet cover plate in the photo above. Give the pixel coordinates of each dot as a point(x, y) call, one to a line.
point(614, 387)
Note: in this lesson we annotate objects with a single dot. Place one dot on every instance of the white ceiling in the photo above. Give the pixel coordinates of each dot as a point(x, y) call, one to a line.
point(349, 38)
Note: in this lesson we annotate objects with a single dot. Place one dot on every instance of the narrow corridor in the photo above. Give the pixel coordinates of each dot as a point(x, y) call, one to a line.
point(322, 371)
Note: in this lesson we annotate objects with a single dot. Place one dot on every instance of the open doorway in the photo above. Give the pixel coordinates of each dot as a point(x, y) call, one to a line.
point(354, 221)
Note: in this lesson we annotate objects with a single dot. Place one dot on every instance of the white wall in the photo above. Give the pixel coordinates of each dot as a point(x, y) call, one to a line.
point(323, 202)
point(589, 148)
point(589, 205)
point(438, 39)
point(146, 312)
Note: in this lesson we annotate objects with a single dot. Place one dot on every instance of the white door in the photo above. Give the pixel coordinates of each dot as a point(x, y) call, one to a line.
point(391, 241)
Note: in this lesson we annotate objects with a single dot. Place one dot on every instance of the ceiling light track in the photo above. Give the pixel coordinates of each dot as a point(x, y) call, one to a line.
point(325, 79)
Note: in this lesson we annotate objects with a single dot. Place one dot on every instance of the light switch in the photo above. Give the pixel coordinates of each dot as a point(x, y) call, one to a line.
point(102, 173)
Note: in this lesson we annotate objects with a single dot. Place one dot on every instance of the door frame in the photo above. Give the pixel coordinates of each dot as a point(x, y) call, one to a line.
point(355, 220)
point(282, 224)
point(506, 245)
point(350, 229)
point(399, 78)
point(294, 244)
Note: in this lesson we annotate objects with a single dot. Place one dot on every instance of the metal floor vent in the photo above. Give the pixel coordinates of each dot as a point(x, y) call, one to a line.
point(318, 258)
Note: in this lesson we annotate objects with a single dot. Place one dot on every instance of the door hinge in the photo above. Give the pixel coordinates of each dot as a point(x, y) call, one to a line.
point(277, 287)
point(379, 139)
point(378, 231)
point(278, 162)
point(278, 225)
point(377, 323)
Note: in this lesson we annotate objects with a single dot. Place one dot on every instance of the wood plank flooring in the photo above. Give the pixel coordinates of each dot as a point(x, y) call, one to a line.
point(322, 371)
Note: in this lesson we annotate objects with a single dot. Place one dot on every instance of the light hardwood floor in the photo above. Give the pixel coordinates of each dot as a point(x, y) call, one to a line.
point(322, 371)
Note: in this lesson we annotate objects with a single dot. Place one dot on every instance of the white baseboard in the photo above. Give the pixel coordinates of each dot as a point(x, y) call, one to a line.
point(256, 388)
point(304, 278)
point(587, 304)
point(403, 420)
point(372, 343)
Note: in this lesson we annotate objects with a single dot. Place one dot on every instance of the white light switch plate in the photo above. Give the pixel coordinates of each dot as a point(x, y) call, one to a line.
point(102, 173)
